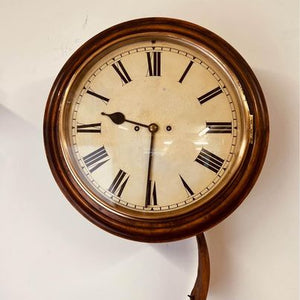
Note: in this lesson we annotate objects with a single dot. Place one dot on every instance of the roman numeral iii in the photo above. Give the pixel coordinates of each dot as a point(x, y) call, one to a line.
point(119, 183)
point(154, 63)
point(210, 160)
point(89, 128)
point(121, 71)
point(96, 159)
point(219, 127)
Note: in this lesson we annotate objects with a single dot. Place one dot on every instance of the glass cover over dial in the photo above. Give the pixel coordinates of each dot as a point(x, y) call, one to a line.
point(153, 126)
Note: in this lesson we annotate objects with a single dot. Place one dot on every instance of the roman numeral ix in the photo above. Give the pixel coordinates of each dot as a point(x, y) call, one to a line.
point(119, 183)
point(209, 160)
point(96, 159)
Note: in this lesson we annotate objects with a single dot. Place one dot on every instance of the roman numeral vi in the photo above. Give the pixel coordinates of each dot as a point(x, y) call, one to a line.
point(151, 196)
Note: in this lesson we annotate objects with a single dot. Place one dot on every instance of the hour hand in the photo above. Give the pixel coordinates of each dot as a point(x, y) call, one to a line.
point(119, 118)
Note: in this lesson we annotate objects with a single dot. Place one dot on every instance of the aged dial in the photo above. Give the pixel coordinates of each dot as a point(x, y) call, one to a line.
point(154, 129)
point(154, 126)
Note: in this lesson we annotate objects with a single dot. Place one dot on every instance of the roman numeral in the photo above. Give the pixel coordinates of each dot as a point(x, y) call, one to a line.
point(121, 71)
point(187, 188)
point(89, 128)
point(104, 99)
point(154, 63)
point(213, 93)
point(186, 71)
point(151, 196)
point(119, 183)
point(209, 160)
point(96, 159)
point(219, 127)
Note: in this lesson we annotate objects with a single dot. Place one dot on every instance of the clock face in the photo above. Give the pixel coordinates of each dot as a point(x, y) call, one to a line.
point(153, 126)
point(156, 129)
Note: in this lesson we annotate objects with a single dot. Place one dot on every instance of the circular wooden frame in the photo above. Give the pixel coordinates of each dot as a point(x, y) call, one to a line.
point(205, 216)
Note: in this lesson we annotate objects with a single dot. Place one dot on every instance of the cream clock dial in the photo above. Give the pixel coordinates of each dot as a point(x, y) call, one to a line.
point(156, 129)
point(154, 126)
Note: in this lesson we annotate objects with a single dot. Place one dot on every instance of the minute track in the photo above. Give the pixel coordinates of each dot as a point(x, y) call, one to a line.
point(184, 77)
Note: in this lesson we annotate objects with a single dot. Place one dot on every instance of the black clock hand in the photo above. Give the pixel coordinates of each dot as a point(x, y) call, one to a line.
point(152, 128)
point(119, 118)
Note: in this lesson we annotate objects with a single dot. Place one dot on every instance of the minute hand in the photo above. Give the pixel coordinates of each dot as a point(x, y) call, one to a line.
point(152, 128)
point(119, 118)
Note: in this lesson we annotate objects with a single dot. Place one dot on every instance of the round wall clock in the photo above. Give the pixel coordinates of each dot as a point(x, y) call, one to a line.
point(156, 129)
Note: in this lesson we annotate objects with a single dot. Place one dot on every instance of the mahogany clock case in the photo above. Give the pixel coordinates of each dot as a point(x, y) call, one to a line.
point(203, 217)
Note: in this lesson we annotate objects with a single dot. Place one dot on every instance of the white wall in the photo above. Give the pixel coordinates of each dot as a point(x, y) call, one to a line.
point(49, 251)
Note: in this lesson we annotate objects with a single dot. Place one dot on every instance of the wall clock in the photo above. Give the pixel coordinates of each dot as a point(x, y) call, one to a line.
point(156, 130)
